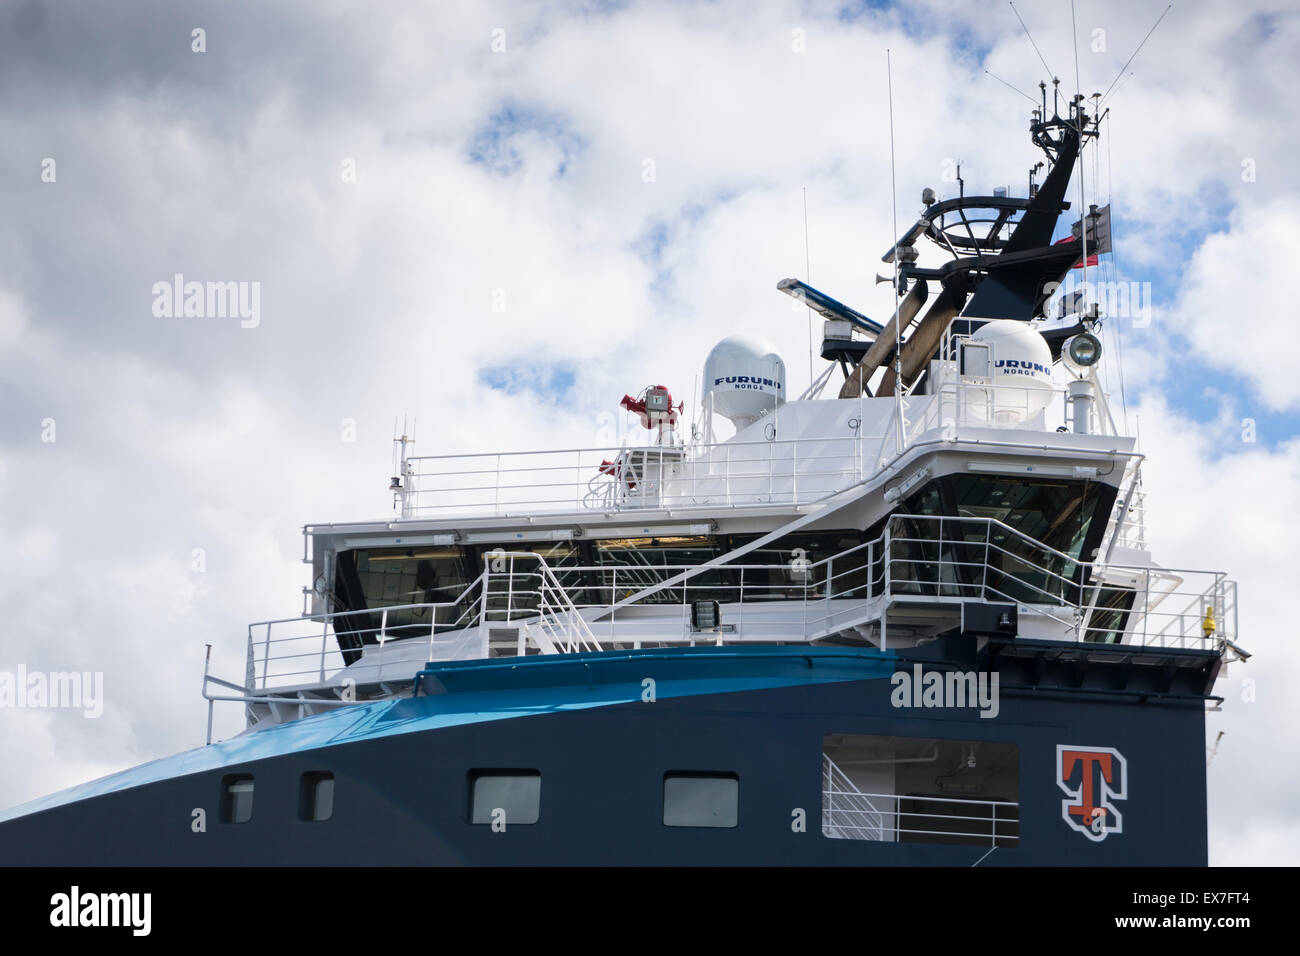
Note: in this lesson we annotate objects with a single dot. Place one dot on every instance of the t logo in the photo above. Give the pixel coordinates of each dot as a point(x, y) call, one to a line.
point(1094, 777)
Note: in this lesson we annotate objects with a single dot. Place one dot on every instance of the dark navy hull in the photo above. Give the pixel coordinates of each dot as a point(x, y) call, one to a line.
point(402, 786)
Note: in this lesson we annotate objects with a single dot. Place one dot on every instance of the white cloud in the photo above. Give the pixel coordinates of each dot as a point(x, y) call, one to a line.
point(1218, 503)
point(1234, 304)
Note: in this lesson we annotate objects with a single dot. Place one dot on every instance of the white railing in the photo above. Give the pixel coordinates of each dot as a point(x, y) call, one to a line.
point(1127, 526)
point(783, 471)
point(516, 588)
point(951, 559)
point(918, 560)
point(519, 586)
point(310, 650)
point(944, 819)
point(848, 813)
point(762, 602)
point(978, 404)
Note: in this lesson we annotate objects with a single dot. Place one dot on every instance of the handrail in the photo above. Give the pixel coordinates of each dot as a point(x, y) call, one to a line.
point(795, 470)
point(862, 815)
point(330, 615)
point(605, 449)
point(958, 829)
point(835, 782)
point(939, 559)
point(554, 604)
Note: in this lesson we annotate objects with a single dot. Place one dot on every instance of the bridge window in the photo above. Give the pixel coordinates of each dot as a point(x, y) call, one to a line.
point(796, 566)
point(1059, 513)
point(786, 569)
point(369, 580)
point(630, 564)
point(701, 799)
point(393, 577)
point(999, 538)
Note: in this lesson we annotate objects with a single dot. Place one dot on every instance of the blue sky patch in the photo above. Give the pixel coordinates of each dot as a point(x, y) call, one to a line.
point(1204, 393)
point(552, 381)
point(908, 21)
point(497, 145)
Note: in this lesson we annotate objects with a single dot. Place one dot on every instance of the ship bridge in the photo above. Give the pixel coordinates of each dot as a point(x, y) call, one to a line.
point(994, 510)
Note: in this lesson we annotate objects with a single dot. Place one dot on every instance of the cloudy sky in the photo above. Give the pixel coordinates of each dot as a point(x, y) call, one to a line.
point(498, 217)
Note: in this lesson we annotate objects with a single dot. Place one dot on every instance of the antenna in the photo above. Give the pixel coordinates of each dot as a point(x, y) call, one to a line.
point(402, 482)
point(1074, 32)
point(1137, 51)
point(699, 410)
point(1009, 86)
point(1076, 107)
point(807, 258)
point(1118, 326)
point(1128, 76)
point(1084, 215)
point(893, 195)
point(1050, 71)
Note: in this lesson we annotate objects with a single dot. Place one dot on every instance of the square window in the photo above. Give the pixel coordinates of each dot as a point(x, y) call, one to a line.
point(236, 798)
point(701, 799)
point(316, 796)
point(505, 796)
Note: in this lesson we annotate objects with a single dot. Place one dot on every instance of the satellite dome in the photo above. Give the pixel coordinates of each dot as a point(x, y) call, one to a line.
point(1021, 356)
point(1021, 372)
point(746, 379)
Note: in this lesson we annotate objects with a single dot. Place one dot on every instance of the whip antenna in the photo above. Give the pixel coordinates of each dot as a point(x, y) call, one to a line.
point(807, 267)
point(1010, 87)
point(1136, 52)
point(1031, 38)
point(893, 196)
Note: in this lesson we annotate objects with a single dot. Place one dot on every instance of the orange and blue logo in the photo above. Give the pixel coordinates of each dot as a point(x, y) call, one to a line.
point(1094, 778)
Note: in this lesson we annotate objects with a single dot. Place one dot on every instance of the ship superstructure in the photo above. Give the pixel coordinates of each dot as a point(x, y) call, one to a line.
point(915, 621)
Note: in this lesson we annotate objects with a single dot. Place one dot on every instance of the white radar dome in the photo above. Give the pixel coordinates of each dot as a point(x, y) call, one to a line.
point(1021, 370)
point(746, 379)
